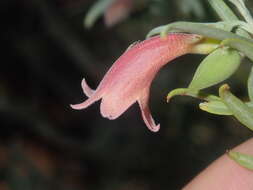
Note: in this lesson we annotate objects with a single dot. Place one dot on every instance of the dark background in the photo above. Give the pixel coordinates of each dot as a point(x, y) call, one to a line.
point(44, 144)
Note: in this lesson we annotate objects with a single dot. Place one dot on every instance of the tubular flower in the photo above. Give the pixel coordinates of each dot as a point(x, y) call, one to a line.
point(130, 77)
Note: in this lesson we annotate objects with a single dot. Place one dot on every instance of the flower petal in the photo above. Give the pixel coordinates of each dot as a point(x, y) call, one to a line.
point(114, 104)
point(86, 89)
point(84, 104)
point(145, 111)
point(92, 94)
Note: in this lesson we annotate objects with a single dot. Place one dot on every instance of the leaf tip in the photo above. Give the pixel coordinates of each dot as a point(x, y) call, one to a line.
point(175, 92)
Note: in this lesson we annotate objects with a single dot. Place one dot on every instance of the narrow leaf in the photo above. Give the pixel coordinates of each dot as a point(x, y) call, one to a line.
point(243, 10)
point(226, 14)
point(223, 25)
point(250, 84)
point(204, 30)
point(223, 11)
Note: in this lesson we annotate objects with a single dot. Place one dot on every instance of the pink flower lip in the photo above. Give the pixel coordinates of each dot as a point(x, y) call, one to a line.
point(130, 77)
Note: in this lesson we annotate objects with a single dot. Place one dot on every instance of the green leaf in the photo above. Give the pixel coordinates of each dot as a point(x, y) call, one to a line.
point(222, 25)
point(226, 14)
point(240, 110)
point(242, 159)
point(250, 84)
point(201, 29)
point(223, 11)
point(215, 68)
point(244, 46)
point(219, 108)
point(204, 30)
point(243, 10)
point(96, 11)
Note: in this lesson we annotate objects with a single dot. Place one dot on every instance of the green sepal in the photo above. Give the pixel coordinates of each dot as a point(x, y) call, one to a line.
point(215, 68)
point(240, 110)
point(189, 92)
point(244, 160)
point(219, 108)
point(215, 107)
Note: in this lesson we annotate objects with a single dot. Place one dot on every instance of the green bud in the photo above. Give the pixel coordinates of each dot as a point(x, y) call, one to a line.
point(215, 68)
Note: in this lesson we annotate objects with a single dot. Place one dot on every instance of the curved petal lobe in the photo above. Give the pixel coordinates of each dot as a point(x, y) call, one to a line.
point(95, 97)
point(86, 89)
point(145, 111)
point(92, 94)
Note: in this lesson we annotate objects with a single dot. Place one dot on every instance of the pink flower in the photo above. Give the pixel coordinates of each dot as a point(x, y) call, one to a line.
point(130, 77)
